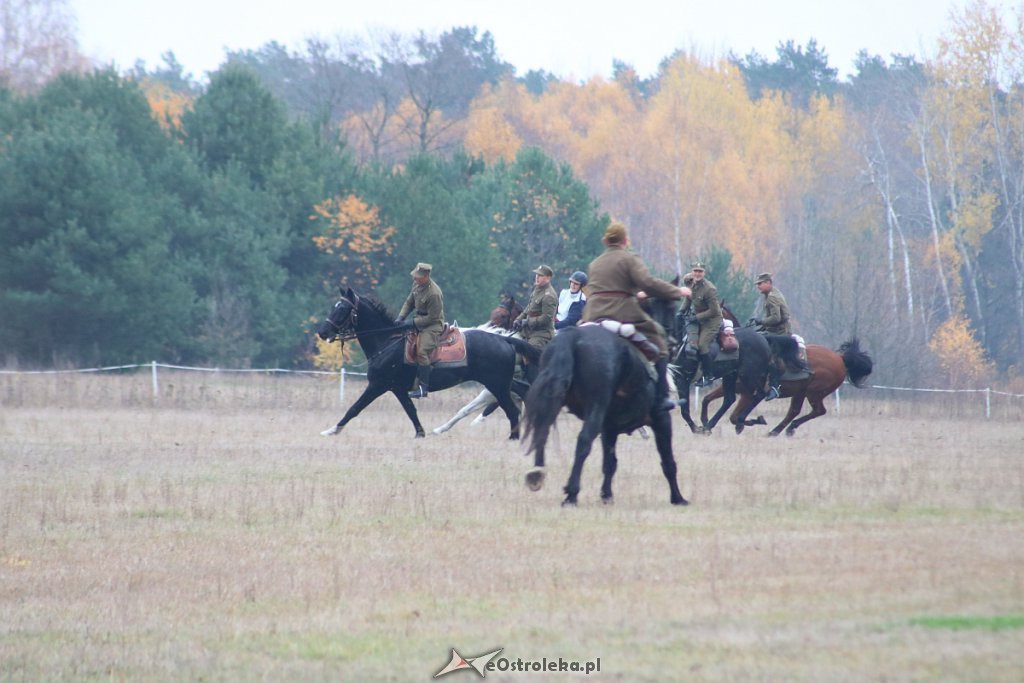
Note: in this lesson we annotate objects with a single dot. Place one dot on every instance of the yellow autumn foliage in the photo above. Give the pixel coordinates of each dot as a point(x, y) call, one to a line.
point(959, 354)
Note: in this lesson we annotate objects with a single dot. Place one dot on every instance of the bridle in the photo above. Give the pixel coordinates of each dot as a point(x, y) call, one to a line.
point(346, 329)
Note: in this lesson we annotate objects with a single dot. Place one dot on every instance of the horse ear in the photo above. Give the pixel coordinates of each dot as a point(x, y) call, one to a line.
point(351, 294)
point(341, 292)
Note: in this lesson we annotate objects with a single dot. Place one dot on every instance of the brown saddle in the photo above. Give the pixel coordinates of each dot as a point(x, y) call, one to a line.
point(450, 351)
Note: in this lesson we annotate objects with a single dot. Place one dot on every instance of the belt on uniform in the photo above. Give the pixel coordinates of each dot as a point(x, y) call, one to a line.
point(534, 315)
point(614, 294)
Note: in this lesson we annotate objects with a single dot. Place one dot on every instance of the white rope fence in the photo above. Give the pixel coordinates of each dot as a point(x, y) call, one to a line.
point(987, 391)
point(343, 373)
point(154, 365)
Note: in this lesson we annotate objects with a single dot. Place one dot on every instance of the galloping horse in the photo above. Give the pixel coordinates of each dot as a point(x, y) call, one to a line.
point(490, 359)
point(606, 384)
point(754, 355)
point(830, 369)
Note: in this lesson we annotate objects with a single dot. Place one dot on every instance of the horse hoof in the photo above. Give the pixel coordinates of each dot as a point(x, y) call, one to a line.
point(773, 433)
point(680, 501)
point(569, 502)
point(535, 480)
point(608, 500)
point(739, 428)
point(331, 431)
point(790, 432)
point(420, 435)
point(760, 420)
point(514, 436)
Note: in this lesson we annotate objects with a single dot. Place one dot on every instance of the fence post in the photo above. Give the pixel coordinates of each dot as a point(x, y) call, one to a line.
point(341, 386)
point(988, 402)
point(156, 385)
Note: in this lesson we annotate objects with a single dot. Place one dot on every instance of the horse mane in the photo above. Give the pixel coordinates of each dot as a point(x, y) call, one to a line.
point(858, 363)
point(377, 306)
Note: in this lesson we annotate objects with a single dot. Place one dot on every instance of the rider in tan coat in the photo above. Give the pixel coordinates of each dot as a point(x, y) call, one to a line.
point(617, 279)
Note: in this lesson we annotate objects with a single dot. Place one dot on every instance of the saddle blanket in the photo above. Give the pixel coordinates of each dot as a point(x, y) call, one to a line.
point(450, 351)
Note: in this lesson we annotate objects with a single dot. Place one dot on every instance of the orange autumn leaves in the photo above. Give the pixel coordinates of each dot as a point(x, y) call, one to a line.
point(351, 230)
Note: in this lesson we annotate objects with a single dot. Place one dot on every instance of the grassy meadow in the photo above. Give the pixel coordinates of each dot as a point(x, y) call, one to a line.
point(213, 534)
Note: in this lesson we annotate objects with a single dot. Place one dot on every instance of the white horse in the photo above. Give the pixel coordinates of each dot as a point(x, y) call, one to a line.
point(484, 398)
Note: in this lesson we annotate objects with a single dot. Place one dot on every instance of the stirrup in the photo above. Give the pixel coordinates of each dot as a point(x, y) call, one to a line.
point(704, 382)
point(773, 393)
point(420, 392)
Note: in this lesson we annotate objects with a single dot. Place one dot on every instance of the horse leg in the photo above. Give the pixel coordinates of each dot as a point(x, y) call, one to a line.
point(610, 464)
point(410, 410)
point(728, 392)
point(795, 404)
point(661, 423)
point(504, 398)
point(483, 397)
point(368, 396)
point(682, 378)
point(817, 410)
point(740, 412)
point(584, 442)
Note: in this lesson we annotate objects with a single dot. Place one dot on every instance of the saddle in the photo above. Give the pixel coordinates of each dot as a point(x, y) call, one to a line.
point(450, 351)
point(638, 340)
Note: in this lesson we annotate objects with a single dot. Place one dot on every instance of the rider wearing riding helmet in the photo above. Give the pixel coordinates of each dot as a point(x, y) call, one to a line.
point(571, 301)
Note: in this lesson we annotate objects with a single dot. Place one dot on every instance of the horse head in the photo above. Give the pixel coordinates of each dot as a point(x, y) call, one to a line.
point(506, 312)
point(341, 321)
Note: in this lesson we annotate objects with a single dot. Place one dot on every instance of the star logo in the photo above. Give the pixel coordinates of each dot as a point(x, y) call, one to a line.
point(479, 663)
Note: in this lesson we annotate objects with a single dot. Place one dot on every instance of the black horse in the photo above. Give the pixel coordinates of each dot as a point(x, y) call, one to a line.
point(491, 359)
point(606, 384)
point(744, 377)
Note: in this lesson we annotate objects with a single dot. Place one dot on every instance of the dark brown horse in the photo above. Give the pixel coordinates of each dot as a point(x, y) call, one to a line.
point(507, 311)
point(830, 369)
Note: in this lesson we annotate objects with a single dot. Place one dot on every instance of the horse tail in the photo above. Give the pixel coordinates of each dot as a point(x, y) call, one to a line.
point(858, 363)
point(530, 353)
point(547, 392)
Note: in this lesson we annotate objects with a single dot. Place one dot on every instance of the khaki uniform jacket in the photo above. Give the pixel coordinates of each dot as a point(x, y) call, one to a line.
point(775, 315)
point(613, 279)
point(707, 312)
point(428, 303)
point(539, 316)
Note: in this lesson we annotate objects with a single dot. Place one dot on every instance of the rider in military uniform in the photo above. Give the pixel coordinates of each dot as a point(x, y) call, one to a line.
point(774, 320)
point(707, 314)
point(427, 301)
point(537, 321)
point(615, 277)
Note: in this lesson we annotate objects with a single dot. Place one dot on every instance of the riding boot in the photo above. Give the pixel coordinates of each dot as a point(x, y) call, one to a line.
point(705, 366)
point(423, 375)
point(774, 379)
point(661, 399)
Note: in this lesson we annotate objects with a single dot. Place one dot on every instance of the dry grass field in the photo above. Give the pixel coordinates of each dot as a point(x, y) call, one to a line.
point(214, 535)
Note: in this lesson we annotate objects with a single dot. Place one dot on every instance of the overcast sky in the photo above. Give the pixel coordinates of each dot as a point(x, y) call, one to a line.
point(571, 38)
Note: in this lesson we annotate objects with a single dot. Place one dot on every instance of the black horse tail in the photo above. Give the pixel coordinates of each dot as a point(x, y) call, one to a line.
point(547, 392)
point(787, 349)
point(858, 363)
point(530, 353)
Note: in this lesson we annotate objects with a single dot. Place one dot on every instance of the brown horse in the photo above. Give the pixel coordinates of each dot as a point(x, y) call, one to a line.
point(507, 311)
point(830, 369)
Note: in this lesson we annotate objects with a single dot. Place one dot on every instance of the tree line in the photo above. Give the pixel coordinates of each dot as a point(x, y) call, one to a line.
point(888, 205)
